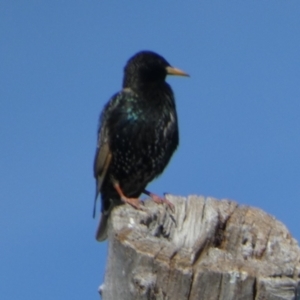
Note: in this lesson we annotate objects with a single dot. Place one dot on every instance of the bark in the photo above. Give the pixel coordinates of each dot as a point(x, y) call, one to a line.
point(207, 249)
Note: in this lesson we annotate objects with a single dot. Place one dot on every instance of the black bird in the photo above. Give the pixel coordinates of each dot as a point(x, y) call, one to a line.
point(137, 136)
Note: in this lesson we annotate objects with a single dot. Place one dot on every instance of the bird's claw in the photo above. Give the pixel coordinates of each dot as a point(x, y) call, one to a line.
point(134, 202)
point(161, 200)
point(170, 205)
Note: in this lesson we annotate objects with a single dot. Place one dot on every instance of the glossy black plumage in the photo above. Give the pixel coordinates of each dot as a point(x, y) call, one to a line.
point(138, 133)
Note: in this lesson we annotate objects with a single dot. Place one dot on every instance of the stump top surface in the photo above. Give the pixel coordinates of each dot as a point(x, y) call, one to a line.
point(205, 240)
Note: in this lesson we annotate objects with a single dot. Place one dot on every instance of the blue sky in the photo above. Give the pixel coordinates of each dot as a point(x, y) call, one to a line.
point(62, 60)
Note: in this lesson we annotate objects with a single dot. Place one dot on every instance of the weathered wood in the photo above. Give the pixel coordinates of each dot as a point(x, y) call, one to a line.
point(208, 249)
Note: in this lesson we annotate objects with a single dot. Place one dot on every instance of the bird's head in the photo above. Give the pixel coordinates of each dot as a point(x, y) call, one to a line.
point(148, 67)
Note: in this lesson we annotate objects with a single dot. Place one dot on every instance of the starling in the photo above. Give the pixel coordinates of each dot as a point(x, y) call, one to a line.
point(137, 135)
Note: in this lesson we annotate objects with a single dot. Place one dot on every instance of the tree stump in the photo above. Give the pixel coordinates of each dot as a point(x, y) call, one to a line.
point(207, 249)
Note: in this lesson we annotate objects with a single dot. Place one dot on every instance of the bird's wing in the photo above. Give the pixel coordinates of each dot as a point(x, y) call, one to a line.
point(109, 125)
point(114, 119)
point(102, 159)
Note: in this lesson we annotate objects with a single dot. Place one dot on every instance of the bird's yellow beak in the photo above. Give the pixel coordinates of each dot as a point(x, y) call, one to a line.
point(175, 71)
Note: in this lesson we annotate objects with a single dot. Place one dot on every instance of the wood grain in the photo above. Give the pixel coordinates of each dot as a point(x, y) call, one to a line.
point(207, 249)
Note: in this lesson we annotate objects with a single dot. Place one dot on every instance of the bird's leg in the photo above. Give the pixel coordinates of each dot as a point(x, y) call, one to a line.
point(135, 202)
point(160, 200)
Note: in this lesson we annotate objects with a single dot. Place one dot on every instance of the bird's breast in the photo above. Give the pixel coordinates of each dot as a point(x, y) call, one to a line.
point(143, 136)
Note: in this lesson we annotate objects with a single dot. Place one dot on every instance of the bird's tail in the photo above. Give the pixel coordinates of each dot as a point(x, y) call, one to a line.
point(95, 201)
point(101, 233)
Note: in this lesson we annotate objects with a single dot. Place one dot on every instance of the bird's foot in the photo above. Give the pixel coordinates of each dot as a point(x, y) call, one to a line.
point(135, 202)
point(160, 200)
